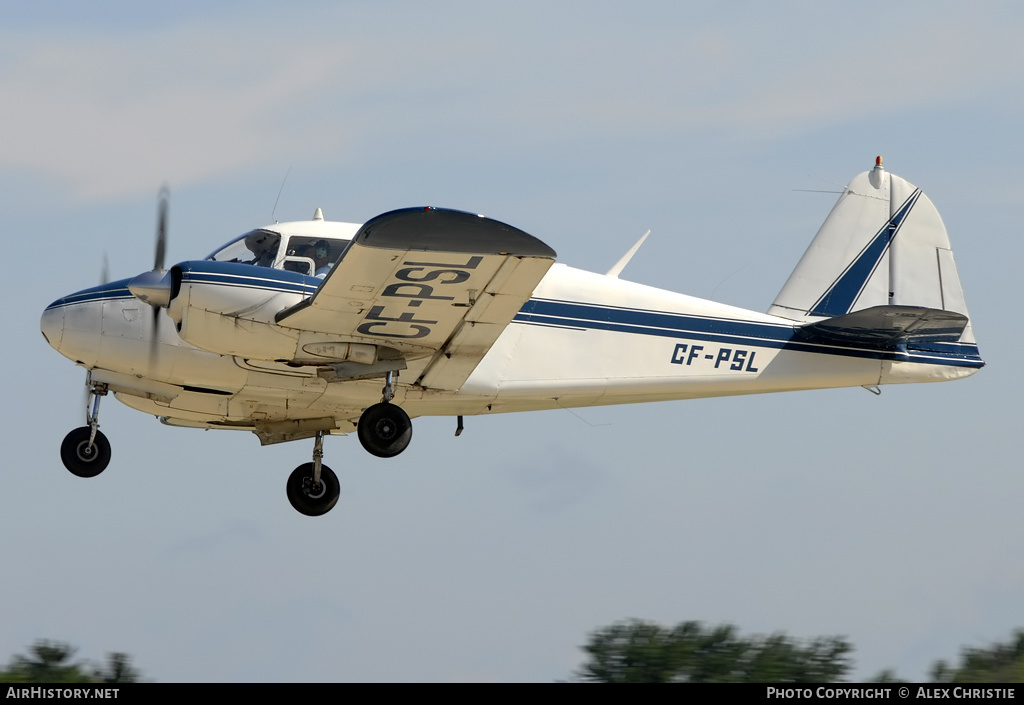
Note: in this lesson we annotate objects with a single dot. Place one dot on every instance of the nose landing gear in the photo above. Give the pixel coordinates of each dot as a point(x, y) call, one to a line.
point(85, 451)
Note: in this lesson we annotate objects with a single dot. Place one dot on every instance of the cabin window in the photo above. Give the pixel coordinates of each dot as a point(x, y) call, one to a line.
point(322, 253)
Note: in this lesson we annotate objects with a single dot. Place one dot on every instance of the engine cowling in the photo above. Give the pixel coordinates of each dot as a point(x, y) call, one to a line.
point(229, 308)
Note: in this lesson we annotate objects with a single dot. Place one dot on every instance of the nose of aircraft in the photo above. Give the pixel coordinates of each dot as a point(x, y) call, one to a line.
point(52, 325)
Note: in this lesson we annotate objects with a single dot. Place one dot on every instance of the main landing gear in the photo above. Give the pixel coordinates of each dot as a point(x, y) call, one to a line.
point(385, 429)
point(313, 488)
point(86, 451)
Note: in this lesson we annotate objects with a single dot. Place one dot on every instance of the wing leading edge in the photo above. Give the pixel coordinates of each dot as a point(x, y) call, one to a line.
point(430, 283)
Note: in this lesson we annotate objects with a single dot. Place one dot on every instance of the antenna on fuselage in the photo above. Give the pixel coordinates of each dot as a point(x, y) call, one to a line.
point(624, 260)
point(279, 191)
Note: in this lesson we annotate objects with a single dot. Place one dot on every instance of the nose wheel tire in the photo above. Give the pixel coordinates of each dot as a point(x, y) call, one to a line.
point(309, 498)
point(82, 458)
point(384, 430)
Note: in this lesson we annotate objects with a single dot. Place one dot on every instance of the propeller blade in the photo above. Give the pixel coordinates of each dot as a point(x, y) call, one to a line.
point(154, 287)
point(154, 339)
point(161, 230)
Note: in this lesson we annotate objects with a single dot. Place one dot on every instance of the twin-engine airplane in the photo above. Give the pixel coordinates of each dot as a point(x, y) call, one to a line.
point(289, 330)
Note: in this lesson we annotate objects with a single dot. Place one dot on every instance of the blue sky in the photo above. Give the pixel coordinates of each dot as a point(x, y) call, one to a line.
point(892, 520)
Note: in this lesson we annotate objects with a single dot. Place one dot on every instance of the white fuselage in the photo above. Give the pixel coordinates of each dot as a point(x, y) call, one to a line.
point(583, 339)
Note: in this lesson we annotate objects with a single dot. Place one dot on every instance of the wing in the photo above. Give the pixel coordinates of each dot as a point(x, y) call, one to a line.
point(433, 284)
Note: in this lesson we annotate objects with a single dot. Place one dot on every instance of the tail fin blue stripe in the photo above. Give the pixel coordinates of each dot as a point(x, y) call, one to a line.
point(840, 297)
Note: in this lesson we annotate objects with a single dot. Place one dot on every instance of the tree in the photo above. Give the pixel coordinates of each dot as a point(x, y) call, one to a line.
point(644, 652)
point(999, 663)
point(47, 662)
point(50, 662)
point(119, 670)
point(886, 676)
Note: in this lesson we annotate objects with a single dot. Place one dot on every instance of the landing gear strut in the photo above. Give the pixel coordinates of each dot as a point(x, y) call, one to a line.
point(313, 488)
point(384, 429)
point(86, 451)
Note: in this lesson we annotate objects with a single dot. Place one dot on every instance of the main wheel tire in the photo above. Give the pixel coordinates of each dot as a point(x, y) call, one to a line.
point(309, 499)
point(81, 458)
point(384, 430)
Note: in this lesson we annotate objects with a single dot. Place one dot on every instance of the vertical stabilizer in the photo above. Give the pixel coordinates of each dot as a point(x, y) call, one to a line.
point(883, 244)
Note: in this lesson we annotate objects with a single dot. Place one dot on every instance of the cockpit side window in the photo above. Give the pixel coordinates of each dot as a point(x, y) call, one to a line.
point(320, 252)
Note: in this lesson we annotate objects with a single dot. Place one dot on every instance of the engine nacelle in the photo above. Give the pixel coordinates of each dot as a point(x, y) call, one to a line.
point(229, 308)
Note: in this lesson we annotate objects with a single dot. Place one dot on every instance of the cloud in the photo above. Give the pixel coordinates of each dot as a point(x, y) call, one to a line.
point(930, 63)
point(113, 112)
point(110, 114)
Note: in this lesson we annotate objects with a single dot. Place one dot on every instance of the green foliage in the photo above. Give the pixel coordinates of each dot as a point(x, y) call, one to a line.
point(643, 652)
point(119, 670)
point(50, 662)
point(886, 676)
point(999, 663)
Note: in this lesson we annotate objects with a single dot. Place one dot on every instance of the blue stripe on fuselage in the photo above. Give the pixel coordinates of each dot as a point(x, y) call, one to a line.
point(567, 314)
point(570, 314)
point(103, 292)
point(248, 275)
point(206, 272)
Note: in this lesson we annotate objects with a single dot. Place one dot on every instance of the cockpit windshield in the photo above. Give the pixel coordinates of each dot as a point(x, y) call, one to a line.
point(258, 247)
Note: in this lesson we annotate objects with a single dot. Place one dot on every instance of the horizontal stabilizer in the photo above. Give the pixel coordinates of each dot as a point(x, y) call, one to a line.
point(887, 327)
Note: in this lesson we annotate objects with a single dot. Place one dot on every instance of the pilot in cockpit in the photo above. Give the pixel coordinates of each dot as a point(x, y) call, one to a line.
point(322, 258)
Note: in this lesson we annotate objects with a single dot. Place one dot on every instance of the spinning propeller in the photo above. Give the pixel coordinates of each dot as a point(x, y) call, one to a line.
point(154, 287)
